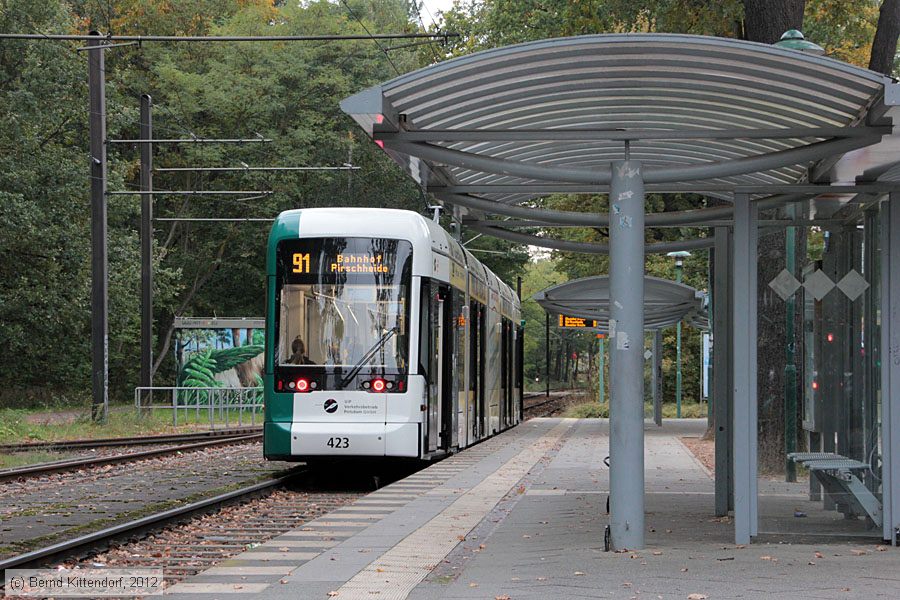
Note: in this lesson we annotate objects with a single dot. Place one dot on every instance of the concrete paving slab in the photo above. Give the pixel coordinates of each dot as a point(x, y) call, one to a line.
point(538, 533)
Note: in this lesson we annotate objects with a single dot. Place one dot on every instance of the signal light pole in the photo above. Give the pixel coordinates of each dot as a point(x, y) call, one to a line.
point(679, 267)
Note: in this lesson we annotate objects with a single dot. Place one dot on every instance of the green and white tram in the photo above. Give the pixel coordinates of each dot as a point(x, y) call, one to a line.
point(384, 338)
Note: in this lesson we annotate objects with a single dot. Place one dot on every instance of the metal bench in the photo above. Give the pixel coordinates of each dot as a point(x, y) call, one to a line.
point(838, 476)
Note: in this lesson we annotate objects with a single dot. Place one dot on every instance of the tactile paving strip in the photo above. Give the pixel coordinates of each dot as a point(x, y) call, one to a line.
point(394, 575)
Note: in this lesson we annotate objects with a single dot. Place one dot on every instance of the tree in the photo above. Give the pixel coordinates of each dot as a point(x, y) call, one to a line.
point(766, 20)
point(884, 47)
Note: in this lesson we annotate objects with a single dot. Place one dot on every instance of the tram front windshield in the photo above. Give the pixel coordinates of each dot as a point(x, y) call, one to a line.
point(344, 303)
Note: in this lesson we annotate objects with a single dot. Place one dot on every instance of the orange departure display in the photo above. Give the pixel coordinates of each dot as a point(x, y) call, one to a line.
point(576, 322)
point(343, 263)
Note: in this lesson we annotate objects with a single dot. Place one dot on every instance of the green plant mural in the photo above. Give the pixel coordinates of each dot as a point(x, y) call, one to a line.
point(201, 369)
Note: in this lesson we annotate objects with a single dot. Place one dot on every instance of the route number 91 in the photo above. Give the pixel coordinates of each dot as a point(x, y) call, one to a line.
point(301, 263)
point(338, 442)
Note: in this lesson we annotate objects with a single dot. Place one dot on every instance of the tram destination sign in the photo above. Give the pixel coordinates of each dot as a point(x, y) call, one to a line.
point(568, 322)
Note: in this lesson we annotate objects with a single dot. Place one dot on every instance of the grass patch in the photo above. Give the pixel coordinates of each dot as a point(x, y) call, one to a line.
point(22, 459)
point(20, 425)
point(688, 411)
point(595, 410)
point(589, 410)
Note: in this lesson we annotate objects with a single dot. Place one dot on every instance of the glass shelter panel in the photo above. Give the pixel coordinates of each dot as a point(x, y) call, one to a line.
point(819, 448)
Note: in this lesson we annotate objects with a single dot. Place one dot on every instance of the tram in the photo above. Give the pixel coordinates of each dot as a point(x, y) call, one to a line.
point(384, 338)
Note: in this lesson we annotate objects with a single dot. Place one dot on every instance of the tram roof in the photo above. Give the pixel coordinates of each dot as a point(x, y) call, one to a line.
point(665, 302)
point(711, 115)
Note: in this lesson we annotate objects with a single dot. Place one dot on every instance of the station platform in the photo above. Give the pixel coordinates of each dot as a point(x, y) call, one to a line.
point(522, 515)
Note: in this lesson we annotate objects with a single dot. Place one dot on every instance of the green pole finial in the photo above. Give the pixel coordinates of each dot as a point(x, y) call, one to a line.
point(793, 39)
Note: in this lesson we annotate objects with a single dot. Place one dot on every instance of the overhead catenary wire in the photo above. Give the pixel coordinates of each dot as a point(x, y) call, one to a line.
point(415, 4)
point(189, 192)
point(373, 37)
point(214, 219)
point(430, 16)
point(227, 38)
point(247, 168)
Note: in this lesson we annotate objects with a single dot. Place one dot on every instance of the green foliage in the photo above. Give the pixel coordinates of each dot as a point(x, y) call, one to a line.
point(201, 369)
point(290, 93)
point(17, 425)
point(595, 410)
point(589, 410)
point(493, 23)
point(228, 358)
point(286, 91)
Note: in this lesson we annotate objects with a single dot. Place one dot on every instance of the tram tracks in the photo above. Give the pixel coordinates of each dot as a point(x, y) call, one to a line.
point(540, 405)
point(80, 546)
point(60, 445)
point(188, 539)
point(62, 466)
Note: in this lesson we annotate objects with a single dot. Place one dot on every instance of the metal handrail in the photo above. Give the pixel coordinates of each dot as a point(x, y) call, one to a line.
point(208, 401)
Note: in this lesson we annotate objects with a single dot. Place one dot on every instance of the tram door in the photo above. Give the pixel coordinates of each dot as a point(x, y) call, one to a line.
point(430, 353)
point(437, 343)
point(474, 365)
point(504, 375)
point(447, 366)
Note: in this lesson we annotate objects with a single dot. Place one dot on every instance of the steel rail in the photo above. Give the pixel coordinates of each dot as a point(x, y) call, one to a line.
point(555, 396)
point(68, 465)
point(100, 540)
point(129, 441)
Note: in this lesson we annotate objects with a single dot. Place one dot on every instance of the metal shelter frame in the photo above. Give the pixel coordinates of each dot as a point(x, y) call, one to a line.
point(665, 304)
point(760, 127)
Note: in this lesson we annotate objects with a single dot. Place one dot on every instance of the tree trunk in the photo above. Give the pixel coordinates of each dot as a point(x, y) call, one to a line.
point(884, 47)
point(766, 20)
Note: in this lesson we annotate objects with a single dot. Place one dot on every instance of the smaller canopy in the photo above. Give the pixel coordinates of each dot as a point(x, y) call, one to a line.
point(665, 302)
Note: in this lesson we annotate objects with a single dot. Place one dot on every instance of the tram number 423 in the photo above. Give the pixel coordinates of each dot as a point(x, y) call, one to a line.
point(338, 442)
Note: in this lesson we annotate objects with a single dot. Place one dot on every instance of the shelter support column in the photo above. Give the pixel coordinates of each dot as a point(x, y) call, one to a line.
point(890, 365)
point(626, 332)
point(656, 376)
point(722, 369)
point(744, 409)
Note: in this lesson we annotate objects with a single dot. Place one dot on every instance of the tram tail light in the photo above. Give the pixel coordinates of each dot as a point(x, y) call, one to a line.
point(378, 385)
point(302, 385)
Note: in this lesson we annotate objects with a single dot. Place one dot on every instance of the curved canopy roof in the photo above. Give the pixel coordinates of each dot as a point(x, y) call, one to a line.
point(665, 302)
point(716, 116)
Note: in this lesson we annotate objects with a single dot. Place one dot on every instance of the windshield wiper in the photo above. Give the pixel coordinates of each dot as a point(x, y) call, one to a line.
point(369, 355)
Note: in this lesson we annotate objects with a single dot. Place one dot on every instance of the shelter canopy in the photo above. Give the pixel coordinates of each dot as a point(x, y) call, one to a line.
point(711, 115)
point(665, 302)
